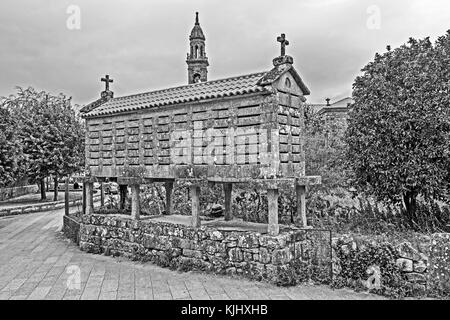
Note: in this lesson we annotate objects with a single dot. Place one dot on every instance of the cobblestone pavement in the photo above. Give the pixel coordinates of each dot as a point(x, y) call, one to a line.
point(37, 262)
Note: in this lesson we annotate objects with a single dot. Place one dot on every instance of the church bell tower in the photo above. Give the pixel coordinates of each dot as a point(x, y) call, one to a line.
point(196, 59)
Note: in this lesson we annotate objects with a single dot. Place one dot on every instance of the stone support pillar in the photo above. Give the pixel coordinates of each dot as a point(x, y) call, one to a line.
point(135, 201)
point(102, 194)
point(123, 190)
point(169, 189)
point(300, 218)
point(228, 188)
point(89, 193)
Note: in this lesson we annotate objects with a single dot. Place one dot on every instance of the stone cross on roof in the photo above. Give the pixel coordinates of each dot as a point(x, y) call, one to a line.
point(107, 80)
point(284, 43)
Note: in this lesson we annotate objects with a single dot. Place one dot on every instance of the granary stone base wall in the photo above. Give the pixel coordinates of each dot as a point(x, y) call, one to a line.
point(284, 259)
point(417, 267)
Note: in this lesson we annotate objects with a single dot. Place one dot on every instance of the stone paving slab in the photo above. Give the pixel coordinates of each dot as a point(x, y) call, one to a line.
point(38, 262)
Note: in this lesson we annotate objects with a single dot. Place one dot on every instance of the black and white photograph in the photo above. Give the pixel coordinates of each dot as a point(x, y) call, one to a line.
point(225, 154)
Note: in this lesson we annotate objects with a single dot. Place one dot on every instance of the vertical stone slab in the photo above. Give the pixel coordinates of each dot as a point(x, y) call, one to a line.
point(272, 197)
point(135, 201)
point(169, 189)
point(66, 197)
point(89, 198)
point(195, 196)
point(228, 188)
point(301, 219)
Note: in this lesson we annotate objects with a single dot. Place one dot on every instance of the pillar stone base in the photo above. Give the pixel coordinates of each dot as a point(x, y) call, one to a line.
point(272, 197)
point(195, 196)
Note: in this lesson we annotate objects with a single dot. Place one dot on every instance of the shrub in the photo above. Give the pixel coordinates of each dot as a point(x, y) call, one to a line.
point(355, 264)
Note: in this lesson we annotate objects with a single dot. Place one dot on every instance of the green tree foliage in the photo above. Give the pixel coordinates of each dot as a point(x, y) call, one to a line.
point(51, 135)
point(399, 130)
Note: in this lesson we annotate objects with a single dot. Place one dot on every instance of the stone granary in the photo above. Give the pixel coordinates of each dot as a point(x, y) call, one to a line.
point(241, 129)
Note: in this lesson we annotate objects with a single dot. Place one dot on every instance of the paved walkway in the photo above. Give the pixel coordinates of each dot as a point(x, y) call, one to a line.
point(37, 262)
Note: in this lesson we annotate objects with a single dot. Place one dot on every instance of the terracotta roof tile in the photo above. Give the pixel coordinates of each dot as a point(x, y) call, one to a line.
point(193, 92)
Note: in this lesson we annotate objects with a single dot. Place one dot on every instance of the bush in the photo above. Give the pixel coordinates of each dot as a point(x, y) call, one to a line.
point(355, 264)
point(363, 215)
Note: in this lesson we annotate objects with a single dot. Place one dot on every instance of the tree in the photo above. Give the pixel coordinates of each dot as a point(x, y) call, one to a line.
point(324, 149)
point(51, 135)
point(66, 132)
point(11, 153)
point(398, 133)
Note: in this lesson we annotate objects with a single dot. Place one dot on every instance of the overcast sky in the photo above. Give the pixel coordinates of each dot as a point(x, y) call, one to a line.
point(143, 44)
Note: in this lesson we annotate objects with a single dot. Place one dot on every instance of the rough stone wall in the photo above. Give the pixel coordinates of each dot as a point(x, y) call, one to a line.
point(71, 228)
point(248, 254)
point(41, 207)
point(421, 265)
point(439, 267)
point(416, 267)
point(8, 193)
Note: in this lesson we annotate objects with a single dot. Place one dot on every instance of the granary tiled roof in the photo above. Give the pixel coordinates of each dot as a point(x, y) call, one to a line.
point(234, 86)
point(188, 93)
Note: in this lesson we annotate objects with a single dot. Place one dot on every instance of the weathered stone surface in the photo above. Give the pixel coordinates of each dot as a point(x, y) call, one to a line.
point(216, 235)
point(192, 253)
point(269, 242)
point(281, 256)
point(248, 241)
point(439, 262)
point(420, 267)
point(187, 248)
point(416, 277)
point(405, 250)
point(405, 265)
point(236, 255)
point(264, 256)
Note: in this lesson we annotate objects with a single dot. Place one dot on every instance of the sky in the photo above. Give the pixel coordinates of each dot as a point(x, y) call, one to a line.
point(67, 46)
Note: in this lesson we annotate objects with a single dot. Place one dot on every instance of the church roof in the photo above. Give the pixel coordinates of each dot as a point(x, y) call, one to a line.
point(197, 32)
point(234, 86)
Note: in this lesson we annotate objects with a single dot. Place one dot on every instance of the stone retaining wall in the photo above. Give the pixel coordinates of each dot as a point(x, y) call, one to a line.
point(8, 193)
point(42, 207)
point(71, 228)
point(282, 259)
point(416, 267)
